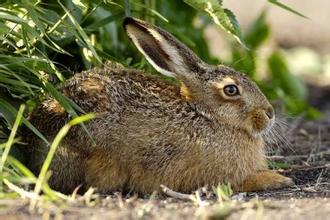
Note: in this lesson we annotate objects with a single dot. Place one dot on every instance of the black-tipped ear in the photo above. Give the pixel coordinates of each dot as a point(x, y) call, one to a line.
point(161, 49)
point(128, 20)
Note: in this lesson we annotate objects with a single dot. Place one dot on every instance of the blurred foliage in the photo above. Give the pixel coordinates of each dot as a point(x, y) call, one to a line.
point(44, 42)
point(221, 16)
point(280, 84)
point(243, 59)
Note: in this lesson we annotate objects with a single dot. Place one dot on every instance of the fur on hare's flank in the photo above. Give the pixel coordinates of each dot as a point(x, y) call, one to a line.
point(148, 132)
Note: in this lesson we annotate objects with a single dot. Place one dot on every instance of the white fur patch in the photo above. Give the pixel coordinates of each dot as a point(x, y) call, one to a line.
point(175, 57)
point(225, 81)
point(130, 31)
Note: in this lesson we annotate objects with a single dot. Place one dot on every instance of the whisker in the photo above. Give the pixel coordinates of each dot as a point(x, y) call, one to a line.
point(277, 136)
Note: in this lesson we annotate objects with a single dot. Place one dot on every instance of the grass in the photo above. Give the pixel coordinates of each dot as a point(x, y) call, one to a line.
point(277, 165)
point(223, 192)
point(11, 138)
point(42, 178)
point(22, 172)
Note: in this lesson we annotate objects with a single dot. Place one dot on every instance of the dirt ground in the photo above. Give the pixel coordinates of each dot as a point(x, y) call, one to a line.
point(305, 158)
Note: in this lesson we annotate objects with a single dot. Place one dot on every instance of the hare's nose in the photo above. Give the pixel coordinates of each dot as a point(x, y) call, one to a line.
point(270, 112)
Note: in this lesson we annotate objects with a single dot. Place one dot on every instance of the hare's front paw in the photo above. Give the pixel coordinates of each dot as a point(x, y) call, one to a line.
point(266, 180)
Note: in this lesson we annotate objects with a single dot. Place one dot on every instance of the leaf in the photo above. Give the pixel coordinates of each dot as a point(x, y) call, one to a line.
point(151, 10)
point(285, 7)
point(104, 21)
point(66, 105)
point(283, 78)
point(52, 149)
point(221, 16)
point(79, 4)
point(81, 32)
point(13, 18)
point(258, 32)
point(11, 137)
point(8, 111)
point(127, 8)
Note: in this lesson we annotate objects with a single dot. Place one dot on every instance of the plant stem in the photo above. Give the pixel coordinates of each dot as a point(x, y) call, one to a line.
point(127, 8)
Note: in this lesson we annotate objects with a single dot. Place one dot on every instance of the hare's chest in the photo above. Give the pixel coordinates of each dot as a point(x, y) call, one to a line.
point(233, 157)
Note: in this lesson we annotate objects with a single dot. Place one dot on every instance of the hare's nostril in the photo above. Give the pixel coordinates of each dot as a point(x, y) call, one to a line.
point(270, 112)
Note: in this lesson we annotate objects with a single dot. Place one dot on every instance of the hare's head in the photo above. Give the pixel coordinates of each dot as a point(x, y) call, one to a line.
point(218, 92)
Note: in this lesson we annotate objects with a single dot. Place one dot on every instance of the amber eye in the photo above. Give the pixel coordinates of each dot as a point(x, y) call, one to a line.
point(231, 90)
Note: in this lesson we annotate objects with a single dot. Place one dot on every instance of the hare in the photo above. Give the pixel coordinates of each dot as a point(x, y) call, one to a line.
point(148, 132)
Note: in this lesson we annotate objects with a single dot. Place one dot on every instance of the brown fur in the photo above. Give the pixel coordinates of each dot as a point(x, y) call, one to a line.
point(265, 180)
point(149, 132)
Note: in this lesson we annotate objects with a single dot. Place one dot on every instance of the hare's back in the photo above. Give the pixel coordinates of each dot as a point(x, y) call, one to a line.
point(105, 88)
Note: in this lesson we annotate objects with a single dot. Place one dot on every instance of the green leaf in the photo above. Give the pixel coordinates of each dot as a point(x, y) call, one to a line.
point(104, 21)
point(258, 32)
point(127, 8)
point(313, 113)
point(285, 7)
point(277, 165)
point(244, 60)
point(52, 149)
point(13, 18)
point(81, 32)
point(66, 105)
point(221, 16)
point(17, 164)
point(283, 78)
point(79, 4)
point(11, 137)
point(9, 112)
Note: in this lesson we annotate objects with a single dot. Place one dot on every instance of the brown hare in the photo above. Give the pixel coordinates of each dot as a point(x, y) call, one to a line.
point(148, 132)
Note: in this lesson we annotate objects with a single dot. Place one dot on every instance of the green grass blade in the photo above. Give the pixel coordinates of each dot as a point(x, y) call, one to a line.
point(81, 32)
point(58, 138)
point(27, 173)
point(11, 137)
point(6, 108)
point(104, 21)
point(13, 18)
point(285, 7)
point(66, 105)
point(127, 8)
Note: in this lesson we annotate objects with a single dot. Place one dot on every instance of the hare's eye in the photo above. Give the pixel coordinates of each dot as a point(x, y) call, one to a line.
point(231, 90)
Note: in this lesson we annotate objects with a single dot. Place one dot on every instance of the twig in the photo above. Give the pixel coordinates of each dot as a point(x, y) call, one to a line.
point(167, 191)
point(316, 147)
point(319, 179)
point(305, 168)
point(296, 157)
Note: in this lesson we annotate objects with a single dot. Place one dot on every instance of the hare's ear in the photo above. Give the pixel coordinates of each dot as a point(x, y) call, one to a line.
point(167, 55)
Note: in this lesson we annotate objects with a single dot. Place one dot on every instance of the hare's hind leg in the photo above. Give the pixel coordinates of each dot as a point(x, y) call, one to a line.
point(68, 171)
point(106, 174)
point(266, 180)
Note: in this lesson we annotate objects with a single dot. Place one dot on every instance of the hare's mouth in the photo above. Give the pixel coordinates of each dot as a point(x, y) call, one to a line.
point(261, 122)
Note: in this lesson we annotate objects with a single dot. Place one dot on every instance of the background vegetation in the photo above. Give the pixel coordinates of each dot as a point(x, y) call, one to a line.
point(44, 42)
